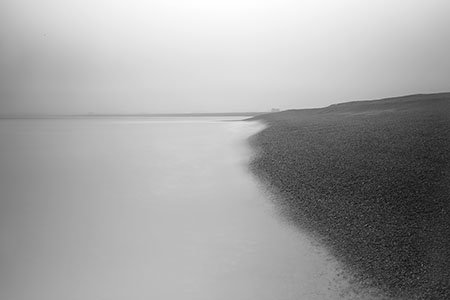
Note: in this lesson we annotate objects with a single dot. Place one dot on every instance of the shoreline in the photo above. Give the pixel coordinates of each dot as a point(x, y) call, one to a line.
point(372, 181)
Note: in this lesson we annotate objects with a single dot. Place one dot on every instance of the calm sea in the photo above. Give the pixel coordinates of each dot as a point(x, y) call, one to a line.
point(161, 208)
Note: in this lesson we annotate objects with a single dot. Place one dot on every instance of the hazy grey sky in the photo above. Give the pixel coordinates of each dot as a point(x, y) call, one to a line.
point(208, 55)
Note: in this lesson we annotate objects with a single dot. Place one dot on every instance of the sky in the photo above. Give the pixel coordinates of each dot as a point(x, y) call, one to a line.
point(111, 56)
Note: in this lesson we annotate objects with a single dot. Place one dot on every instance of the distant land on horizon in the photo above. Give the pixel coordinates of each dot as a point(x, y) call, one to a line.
point(142, 115)
point(360, 106)
point(275, 112)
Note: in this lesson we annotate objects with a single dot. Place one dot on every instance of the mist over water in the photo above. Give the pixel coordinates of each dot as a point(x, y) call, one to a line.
point(145, 209)
point(159, 56)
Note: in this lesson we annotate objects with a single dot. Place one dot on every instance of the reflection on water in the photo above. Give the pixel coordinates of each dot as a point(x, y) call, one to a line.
point(139, 209)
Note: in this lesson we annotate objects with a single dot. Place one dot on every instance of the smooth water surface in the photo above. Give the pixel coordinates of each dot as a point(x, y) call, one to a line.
point(145, 209)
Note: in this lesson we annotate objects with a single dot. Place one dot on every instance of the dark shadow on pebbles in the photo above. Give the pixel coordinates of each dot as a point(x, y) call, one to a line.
point(372, 180)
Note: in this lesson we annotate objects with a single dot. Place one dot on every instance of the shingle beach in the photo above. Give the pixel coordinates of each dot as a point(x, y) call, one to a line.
point(370, 180)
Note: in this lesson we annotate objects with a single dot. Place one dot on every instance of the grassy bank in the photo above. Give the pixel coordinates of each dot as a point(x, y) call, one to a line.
point(372, 180)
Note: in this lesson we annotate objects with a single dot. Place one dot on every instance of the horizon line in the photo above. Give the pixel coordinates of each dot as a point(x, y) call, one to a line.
point(93, 115)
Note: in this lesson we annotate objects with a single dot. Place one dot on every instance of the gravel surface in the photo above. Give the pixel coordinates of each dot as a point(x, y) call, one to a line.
point(371, 180)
